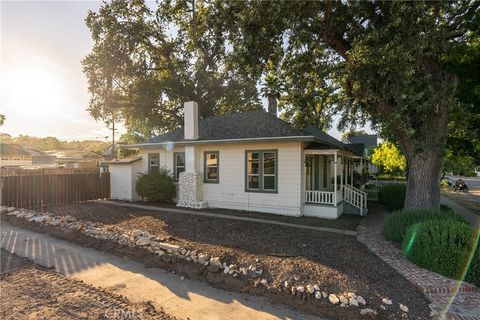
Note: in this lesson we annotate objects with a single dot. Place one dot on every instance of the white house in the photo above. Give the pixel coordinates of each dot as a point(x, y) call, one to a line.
point(253, 161)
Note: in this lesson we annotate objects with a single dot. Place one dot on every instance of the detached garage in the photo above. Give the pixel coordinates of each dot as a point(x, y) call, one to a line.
point(123, 176)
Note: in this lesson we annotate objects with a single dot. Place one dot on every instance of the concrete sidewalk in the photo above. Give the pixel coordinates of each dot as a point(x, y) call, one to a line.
point(180, 298)
point(230, 217)
point(471, 217)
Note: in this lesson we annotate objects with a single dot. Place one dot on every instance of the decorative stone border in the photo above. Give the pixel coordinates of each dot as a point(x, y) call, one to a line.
point(437, 288)
point(144, 240)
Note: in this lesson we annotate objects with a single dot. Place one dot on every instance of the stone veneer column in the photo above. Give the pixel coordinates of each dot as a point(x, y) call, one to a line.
point(191, 181)
point(190, 190)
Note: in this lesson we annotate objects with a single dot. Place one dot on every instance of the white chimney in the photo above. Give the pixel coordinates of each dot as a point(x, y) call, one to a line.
point(190, 114)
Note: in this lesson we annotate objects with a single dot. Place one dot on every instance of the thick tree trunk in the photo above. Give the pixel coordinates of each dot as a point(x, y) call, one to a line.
point(423, 185)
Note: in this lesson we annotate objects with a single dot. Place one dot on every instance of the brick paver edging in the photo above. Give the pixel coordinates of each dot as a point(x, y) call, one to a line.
point(438, 289)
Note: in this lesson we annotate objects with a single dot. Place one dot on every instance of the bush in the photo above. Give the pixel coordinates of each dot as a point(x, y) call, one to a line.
point(473, 273)
point(395, 225)
point(393, 196)
point(443, 246)
point(156, 186)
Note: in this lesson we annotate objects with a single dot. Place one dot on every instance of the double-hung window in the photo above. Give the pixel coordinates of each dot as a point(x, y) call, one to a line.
point(211, 167)
point(178, 164)
point(261, 171)
point(153, 162)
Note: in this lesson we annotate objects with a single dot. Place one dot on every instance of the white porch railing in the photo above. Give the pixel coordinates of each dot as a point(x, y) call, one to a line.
point(323, 197)
point(355, 197)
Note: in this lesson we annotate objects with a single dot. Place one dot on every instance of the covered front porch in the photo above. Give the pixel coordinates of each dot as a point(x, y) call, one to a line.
point(332, 182)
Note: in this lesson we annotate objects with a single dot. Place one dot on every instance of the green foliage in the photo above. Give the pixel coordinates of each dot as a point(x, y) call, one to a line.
point(156, 186)
point(464, 124)
point(352, 133)
point(393, 196)
point(145, 62)
point(385, 56)
point(2, 119)
point(443, 246)
point(459, 164)
point(389, 160)
point(309, 98)
point(395, 225)
point(390, 177)
point(444, 184)
point(473, 272)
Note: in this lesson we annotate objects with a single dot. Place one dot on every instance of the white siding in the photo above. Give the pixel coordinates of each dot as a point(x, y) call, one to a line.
point(323, 211)
point(121, 181)
point(230, 192)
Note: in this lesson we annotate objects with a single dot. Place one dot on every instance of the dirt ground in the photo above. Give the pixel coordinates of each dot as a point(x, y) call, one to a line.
point(29, 291)
point(345, 222)
point(337, 263)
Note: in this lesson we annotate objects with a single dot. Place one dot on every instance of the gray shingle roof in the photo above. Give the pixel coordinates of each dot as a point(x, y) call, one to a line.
point(369, 140)
point(256, 124)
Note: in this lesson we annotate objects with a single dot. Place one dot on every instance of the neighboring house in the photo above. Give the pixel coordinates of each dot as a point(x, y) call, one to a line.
point(369, 142)
point(17, 156)
point(253, 161)
point(74, 159)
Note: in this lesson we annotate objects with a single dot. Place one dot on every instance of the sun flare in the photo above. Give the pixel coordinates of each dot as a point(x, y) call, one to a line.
point(33, 87)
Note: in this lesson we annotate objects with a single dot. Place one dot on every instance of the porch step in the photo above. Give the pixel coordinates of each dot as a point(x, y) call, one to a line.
point(351, 209)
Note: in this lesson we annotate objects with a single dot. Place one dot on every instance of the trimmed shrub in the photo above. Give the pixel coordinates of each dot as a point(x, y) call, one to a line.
point(156, 186)
point(473, 273)
point(393, 196)
point(446, 209)
point(443, 246)
point(395, 225)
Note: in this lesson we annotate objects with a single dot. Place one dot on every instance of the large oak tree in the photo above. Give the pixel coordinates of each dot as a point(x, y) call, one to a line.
point(387, 57)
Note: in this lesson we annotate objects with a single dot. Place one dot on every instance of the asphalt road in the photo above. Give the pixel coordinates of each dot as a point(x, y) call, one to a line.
point(472, 182)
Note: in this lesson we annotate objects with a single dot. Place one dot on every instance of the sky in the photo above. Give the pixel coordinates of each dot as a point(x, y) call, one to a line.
point(43, 91)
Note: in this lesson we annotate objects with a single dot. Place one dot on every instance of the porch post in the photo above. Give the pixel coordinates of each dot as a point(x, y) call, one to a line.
point(335, 177)
point(351, 171)
point(341, 172)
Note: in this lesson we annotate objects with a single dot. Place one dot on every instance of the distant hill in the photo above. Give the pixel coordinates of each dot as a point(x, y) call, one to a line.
point(52, 143)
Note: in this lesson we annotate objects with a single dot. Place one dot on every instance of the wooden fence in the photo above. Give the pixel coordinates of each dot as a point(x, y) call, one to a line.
point(37, 190)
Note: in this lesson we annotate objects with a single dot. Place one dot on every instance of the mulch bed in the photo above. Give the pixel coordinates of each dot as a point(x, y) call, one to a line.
point(337, 263)
point(30, 291)
point(345, 222)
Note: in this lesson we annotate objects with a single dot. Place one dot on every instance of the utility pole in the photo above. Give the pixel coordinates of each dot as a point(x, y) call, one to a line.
point(114, 154)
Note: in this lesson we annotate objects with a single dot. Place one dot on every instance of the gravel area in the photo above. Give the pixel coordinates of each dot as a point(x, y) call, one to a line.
point(29, 291)
point(337, 263)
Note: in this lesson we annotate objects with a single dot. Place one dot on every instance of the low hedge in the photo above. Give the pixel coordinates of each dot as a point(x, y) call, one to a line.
point(473, 273)
point(393, 196)
point(396, 224)
point(444, 246)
